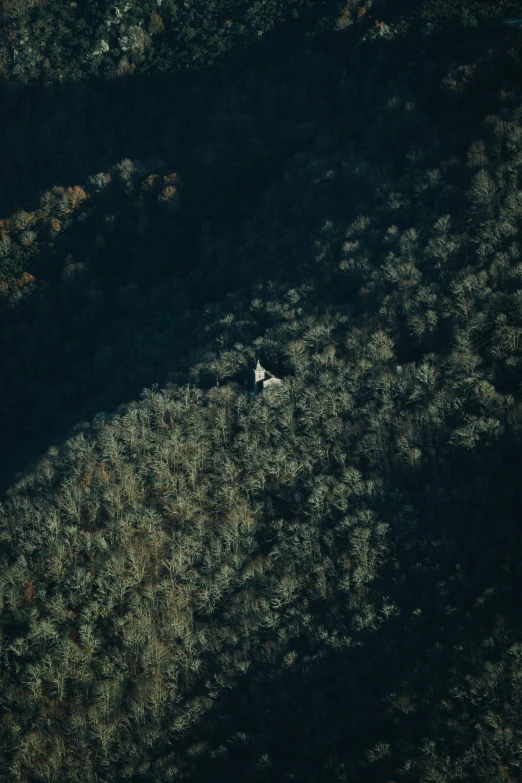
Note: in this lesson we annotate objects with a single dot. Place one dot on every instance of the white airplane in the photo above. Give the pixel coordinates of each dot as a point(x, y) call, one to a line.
point(513, 22)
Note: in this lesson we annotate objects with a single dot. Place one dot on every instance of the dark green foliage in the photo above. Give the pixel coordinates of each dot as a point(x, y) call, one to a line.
point(320, 582)
point(75, 40)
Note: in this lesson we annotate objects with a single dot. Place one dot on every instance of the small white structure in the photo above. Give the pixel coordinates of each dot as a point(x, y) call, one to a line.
point(264, 379)
point(259, 374)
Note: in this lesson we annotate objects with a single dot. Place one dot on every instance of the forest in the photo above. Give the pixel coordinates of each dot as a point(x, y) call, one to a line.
point(321, 581)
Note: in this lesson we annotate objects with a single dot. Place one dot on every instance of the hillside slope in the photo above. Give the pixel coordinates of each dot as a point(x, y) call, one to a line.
point(317, 583)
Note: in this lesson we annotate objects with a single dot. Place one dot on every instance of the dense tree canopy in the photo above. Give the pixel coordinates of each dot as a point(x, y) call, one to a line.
point(320, 582)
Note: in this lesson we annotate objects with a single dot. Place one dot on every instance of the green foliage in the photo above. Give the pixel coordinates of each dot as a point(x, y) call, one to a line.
point(71, 40)
point(319, 581)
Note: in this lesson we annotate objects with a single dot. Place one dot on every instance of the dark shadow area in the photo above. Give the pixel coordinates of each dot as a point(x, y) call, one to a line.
point(60, 134)
point(113, 311)
point(116, 306)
